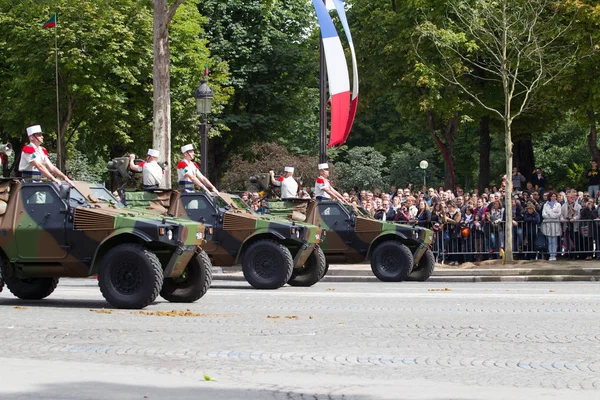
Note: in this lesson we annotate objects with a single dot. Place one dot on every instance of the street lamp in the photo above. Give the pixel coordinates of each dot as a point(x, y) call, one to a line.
point(204, 96)
point(423, 165)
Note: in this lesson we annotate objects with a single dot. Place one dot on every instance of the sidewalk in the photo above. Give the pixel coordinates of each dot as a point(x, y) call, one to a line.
point(487, 271)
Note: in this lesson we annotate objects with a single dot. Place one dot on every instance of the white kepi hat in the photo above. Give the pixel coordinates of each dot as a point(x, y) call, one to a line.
point(186, 148)
point(153, 153)
point(32, 130)
point(289, 169)
point(323, 166)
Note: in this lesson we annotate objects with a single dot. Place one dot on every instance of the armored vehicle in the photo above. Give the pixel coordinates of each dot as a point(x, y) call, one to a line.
point(272, 251)
point(49, 231)
point(396, 252)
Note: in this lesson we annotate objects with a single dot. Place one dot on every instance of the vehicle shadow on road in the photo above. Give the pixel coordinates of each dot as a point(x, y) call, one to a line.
point(55, 303)
point(202, 391)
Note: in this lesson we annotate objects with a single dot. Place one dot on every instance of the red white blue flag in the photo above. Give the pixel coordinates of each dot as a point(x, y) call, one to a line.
point(337, 75)
point(339, 6)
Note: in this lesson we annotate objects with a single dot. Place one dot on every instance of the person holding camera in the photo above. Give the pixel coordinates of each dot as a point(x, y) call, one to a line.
point(152, 173)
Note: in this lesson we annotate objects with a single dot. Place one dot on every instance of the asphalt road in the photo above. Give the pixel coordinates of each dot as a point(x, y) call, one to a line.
point(331, 341)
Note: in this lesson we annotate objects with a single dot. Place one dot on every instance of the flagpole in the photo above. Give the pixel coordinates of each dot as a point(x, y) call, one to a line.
point(58, 135)
point(323, 105)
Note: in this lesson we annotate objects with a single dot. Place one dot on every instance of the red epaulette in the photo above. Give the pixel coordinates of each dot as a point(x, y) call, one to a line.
point(320, 180)
point(280, 179)
point(142, 164)
point(45, 151)
point(181, 164)
point(197, 166)
point(27, 149)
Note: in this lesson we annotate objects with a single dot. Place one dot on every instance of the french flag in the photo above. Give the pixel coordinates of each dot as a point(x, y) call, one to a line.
point(337, 75)
point(339, 6)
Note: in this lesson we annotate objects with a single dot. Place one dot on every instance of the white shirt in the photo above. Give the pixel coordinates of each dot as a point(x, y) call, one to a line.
point(29, 153)
point(152, 173)
point(320, 186)
point(289, 187)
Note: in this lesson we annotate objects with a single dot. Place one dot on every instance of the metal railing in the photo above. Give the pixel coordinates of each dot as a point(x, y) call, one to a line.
point(470, 243)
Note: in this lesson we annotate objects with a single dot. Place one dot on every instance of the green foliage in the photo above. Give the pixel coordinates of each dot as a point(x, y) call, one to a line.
point(404, 167)
point(563, 154)
point(363, 168)
point(262, 158)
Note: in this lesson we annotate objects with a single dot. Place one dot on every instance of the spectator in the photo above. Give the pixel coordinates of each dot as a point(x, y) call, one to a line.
point(531, 221)
point(517, 179)
point(538, 180)
point(385, 213)
point(453, 220)
point(478, 234)
point(593, 176)
point(423, 217)
point(569, 215)
point(551, 225)
point(588, 216)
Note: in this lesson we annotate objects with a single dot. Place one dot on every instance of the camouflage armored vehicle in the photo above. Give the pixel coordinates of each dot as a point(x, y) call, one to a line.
point(272, 251)
point(396, 252)
point(49, 231)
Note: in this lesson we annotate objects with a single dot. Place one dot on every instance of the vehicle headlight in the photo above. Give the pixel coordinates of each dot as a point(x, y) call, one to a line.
point(169, 234)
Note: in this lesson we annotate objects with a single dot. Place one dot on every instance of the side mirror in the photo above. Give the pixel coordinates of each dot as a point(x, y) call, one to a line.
point(65, 191)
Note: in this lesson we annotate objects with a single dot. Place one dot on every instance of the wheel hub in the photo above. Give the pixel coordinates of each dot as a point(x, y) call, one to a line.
point(264, 265)
point(126, 277)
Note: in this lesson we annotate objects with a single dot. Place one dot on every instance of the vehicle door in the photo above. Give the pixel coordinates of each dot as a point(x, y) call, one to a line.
point(339, 226)
point(40, 223)
point(200, 208)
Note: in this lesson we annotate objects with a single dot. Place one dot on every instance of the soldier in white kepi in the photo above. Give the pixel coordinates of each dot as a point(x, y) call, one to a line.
point(188, 173)
point(34, 159)
point(289, 186)
point(323, 188)
point(152, 173)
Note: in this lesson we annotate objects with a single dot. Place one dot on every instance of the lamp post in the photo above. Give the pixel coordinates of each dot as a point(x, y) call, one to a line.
point(423, 165)
point(204, 96)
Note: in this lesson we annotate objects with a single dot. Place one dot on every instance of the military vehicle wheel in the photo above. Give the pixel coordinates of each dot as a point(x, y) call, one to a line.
point(31, 288)
point(267, 264)
point(391, 261)
point(130, 276)
point(312, 271)
point(424, 269)
point(192, 284)
point(326, 269)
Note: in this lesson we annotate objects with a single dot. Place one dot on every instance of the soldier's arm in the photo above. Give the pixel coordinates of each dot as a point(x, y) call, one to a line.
point(334, 194)
point(274, 181)
point(196, 181)
point(208, 183)
point(132, 166)
point(57, 172)
point(45, 171)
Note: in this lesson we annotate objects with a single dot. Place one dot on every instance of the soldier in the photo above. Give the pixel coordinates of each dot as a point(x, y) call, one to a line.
point(289, 186)
point(189, 174)
point(34, 159)
point(323, 188)
point(152, 173)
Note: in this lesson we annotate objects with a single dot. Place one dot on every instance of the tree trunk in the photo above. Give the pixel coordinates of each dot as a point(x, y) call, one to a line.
point(523, 157)
point(161, 134)
point(485, 144)
point(592, 138)
point(446, 147)
point(508, 230)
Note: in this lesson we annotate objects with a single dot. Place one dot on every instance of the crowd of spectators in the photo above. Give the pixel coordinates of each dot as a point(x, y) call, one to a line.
point(469, 225)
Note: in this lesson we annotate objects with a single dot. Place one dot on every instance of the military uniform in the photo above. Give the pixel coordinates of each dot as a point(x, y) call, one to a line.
point(32, 152)
point(289, 186)
point(185, 166)
point(321, 184)
point(152, 173)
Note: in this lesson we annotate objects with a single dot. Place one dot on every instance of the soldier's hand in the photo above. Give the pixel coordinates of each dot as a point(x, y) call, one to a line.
point(132, 156)
point(70, 182)
point(271, 172)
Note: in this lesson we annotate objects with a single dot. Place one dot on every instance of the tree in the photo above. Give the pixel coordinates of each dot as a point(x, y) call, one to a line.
point(364, 168)
point(272, 53)
point(518, 45)
point(161, 136)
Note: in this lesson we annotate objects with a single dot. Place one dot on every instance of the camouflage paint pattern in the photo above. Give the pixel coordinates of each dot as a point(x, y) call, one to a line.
point(43, 236)
point(236, 227)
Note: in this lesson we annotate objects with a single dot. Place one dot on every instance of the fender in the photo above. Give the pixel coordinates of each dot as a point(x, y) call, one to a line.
point(377, 240)
point(123, 231)
point(264, 234)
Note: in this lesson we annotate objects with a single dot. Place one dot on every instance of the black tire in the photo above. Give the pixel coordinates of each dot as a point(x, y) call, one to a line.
point(312, 271)
point(267, 264)
point(1, 280)
point(391, 261)
point(326, 269)
point(192, 284)
point(31, 288)
point(130, 276)
point(424, 269)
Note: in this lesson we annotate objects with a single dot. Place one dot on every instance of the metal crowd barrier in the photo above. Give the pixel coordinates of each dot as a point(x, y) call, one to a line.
point(575, 240)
